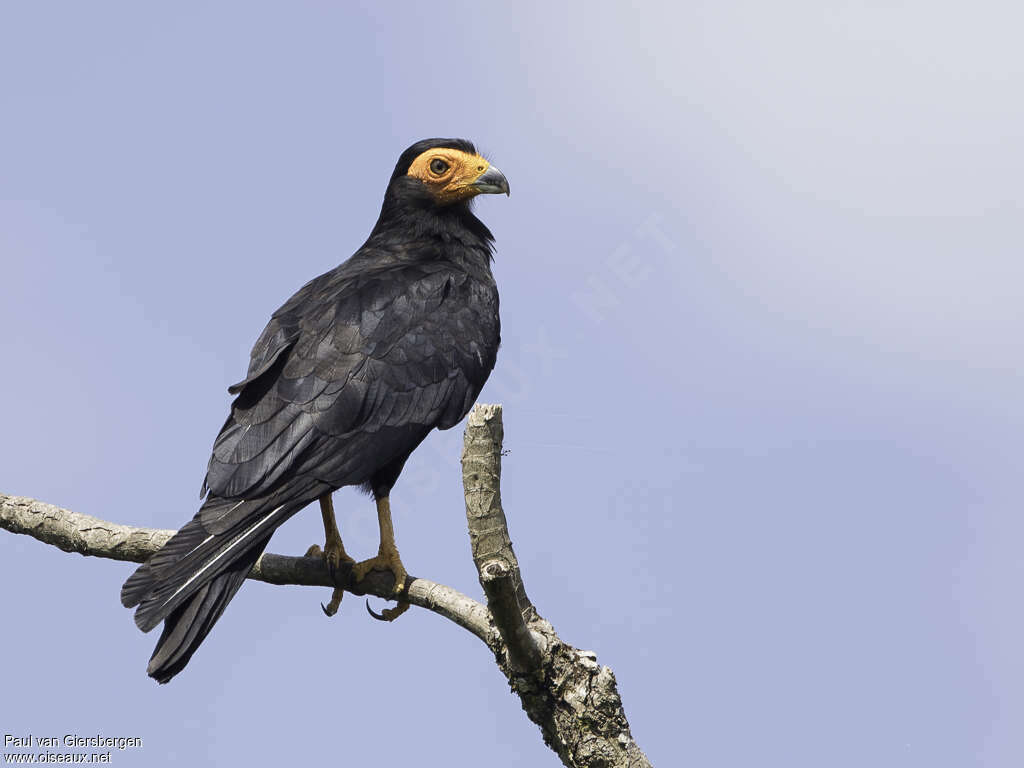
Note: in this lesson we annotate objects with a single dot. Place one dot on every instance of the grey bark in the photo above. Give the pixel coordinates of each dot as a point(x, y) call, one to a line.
point(564, 690)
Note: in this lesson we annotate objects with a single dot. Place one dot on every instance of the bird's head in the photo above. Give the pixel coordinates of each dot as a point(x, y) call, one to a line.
point(441, 172)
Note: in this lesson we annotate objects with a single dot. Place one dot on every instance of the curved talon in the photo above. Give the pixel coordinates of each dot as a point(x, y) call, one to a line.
point(332, 607)
point(388, 614)
point(369, 610)
point(333, 556)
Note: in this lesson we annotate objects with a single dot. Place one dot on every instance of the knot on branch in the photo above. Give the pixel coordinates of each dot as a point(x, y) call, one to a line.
point(495, 569)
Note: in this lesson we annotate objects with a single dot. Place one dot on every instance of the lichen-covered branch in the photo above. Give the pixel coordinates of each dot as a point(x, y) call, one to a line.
point(90, 536)
point(489, 539)
point(564, 690)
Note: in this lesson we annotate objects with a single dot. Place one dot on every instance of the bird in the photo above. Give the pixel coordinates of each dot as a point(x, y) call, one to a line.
point(349, 376)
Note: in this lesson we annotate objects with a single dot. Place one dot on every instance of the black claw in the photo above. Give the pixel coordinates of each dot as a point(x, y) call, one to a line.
point(388, 614)
point(332, 607)
point(369, 610)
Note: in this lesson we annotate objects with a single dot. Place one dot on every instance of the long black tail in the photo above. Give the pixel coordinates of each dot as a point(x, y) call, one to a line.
point(187, 626)
point(188, 583)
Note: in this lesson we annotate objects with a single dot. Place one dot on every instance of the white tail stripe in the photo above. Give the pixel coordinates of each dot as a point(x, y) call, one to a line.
point(227, 549)
point(197, 546)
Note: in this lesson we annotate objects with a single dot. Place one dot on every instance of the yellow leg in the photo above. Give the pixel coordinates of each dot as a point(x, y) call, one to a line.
point(333, 552)
point(387, 558)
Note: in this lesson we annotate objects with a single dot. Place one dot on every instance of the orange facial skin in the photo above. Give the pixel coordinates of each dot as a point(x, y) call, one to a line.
point(449, 173)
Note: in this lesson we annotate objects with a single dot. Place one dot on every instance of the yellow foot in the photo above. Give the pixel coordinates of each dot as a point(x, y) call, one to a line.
point(332, 607)
point(386, 560)
point(334, 557)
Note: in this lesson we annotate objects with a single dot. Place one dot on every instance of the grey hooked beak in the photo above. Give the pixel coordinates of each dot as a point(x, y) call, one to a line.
point(491, 182)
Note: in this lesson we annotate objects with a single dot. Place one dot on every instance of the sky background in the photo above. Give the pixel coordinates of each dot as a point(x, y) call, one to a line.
point(762, 367)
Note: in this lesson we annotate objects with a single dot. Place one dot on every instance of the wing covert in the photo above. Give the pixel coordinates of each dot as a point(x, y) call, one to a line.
point(398, 351)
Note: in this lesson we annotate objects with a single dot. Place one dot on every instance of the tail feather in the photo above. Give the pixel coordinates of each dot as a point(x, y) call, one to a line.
point(189, 560)
point(189, 547)
point(184, 545)
point(191, 579)
point(187, 626)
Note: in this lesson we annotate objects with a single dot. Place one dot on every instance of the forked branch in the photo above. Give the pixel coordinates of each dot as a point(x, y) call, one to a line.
point(565, 691)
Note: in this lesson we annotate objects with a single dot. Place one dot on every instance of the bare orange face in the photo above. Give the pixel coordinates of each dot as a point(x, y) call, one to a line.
point(452, 175)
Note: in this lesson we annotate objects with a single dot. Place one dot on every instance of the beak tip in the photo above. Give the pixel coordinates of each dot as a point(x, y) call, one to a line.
point(492, 182)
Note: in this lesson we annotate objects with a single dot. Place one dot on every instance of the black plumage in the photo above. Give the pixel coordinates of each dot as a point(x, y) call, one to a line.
point(346, 380)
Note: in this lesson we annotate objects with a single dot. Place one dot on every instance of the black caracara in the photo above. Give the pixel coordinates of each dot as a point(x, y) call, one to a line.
point(348, 377)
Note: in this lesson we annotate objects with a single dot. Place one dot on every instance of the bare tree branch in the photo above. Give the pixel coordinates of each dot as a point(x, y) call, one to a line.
point(564, 690)
point(489, 539)
point(92, 537)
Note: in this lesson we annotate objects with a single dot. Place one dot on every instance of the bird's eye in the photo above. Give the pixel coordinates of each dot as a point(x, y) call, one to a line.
point(438, 166)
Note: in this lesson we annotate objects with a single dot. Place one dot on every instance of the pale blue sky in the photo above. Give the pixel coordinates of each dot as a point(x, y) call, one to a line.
point(762, 304)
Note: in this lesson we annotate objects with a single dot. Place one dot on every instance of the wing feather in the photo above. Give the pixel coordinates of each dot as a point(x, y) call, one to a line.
point(364, 353)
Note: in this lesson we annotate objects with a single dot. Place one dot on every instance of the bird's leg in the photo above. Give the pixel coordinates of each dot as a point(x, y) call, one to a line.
point(333, 552)
point(387, 558)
